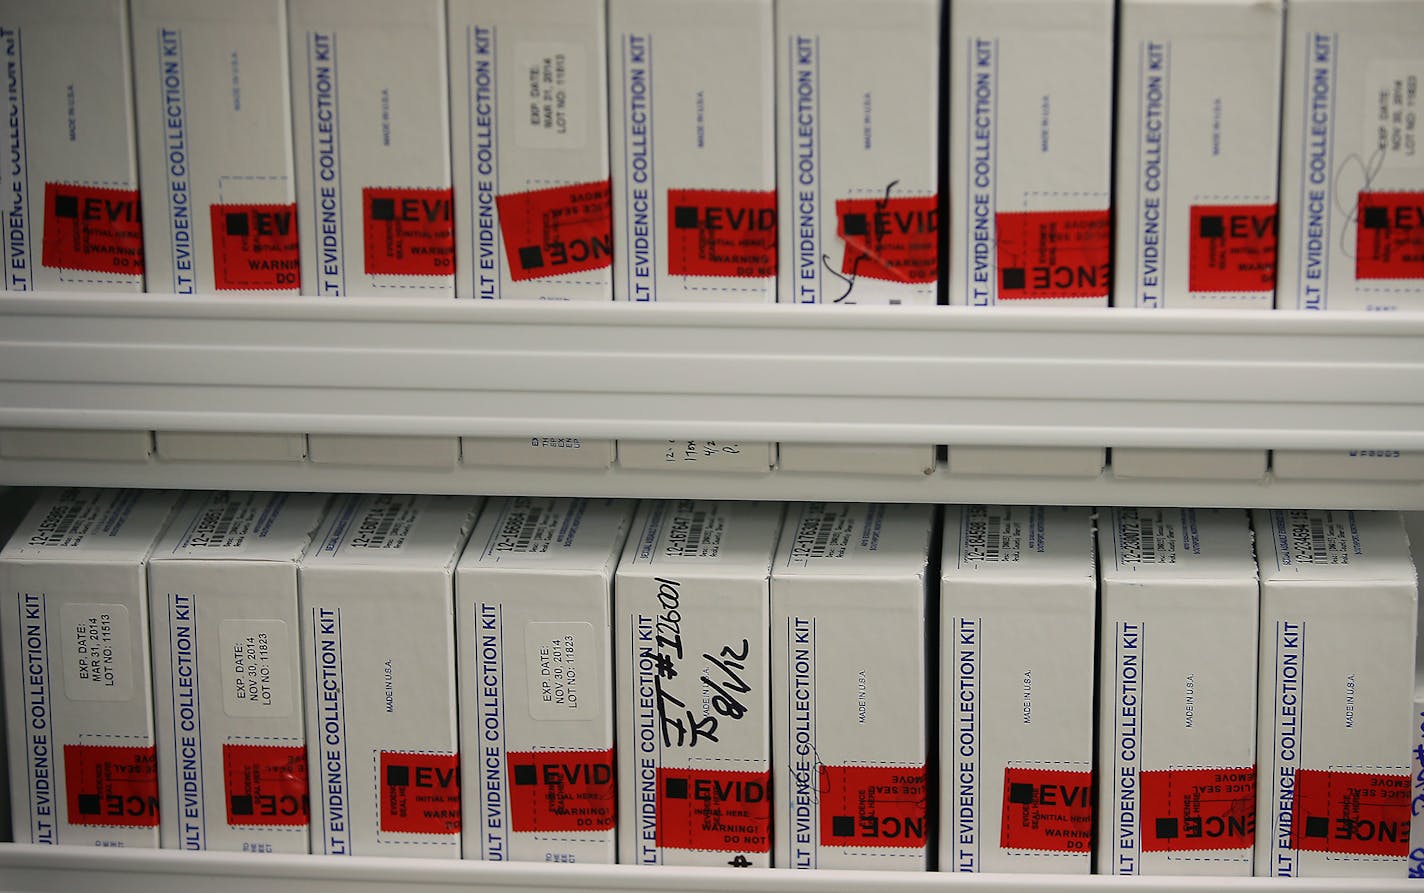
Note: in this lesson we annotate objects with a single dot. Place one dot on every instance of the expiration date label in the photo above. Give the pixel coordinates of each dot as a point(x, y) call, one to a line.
point(256, 661)
point(1392, 108)
point(98, 652)
point(562, 671)
point(554, 107)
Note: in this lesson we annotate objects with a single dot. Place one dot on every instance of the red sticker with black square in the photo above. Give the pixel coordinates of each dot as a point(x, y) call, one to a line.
point(420, 792)
point(550, 232)
point(1233, 248)
point(895, 239)
point(705, 809)
point(1050, 810)
point(409, 232)
point(115, 786)
point(1389, 236)
point(721, 232)
point(873, 806)
point(1351, 813)
point(1053, 254)
point(562, 791)
point(255, 247)
point(1198, 809)
point(92, 228)
point(265, 785)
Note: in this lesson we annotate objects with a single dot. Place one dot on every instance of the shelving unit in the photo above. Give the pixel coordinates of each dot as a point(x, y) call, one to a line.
point(796, 374)
point(1254, 380)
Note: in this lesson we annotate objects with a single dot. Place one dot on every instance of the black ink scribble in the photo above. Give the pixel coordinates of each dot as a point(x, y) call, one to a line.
point(1348, 199)
point(881, 205)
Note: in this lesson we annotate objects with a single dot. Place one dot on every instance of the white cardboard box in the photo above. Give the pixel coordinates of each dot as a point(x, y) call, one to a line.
point(1352, 163)
point(378, 631)
point(857, 88)
point(215, 146)
point(83, 768)
point(1030, 139)
point(1018, 614)
point(227, 686)
point(690, 104)
point(850, 673)
point(371, 119)
point(1177, 655)
point(1198, 94)
point(1338, 612)
point(72, 219)
point(535, 607)
point(529, 117)
point(694, 711)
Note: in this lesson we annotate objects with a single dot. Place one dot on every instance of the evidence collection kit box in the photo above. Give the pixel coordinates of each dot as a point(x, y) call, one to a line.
point(692, 131)
point(529, 117)
point(1198, 96)
point(1352, 169)
point(850, 686)
point(1030, 143)
point(227, 681)
point(857, 106)
point(72, 219)
point(371, 118)
point(1177, 647)
point(1018, 604)
point(378, 626)
point(1339, 605)
point(215, 146)
point(78, 698)
point(534, 616)
point(694, 764)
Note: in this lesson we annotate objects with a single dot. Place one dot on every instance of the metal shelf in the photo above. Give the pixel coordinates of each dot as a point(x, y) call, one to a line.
point(946, 375)
point(29, 869)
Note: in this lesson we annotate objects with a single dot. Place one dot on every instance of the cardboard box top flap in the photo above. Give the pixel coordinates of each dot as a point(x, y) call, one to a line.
point(996, 543)
point(388, 530)
point(546, 534)
point(242, 526)
point(701, 538)
point(1331, 547)
point(80, 524)
point(1175, 545)
point(844, 539)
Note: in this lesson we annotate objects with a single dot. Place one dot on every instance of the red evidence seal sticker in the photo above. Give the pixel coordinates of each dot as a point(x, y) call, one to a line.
point(255, 247)
point(705, 809)
point(1053, 254)
point(1351, 813)
point(1232, 248)
point(873, 806)
point(92, 228)
point(721, 232)
point(562, 791)
point(265, 784)
point(112, 786)
point(892, 238)
point(420, 792)
point(408, 232)
point(550, 232)
point(1389, 236)
point(1050, 810)
point(1198, 809)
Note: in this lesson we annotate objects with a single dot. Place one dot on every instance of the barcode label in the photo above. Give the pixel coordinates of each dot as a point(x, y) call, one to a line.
point(1316, 536)
point(386, 524)
point(991, 534)
point(1144, 538)
point(524, 539)
point(527, 527)
point(1318, 552)
point(73, 513)
point(822, 532)
point(694, 530)
point(216, 524)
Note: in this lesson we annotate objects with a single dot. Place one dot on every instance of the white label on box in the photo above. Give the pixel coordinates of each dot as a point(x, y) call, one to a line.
point(1392, 110)
point(558, 104)
point(257, 658)
point(553, 653)
point(98, 656)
